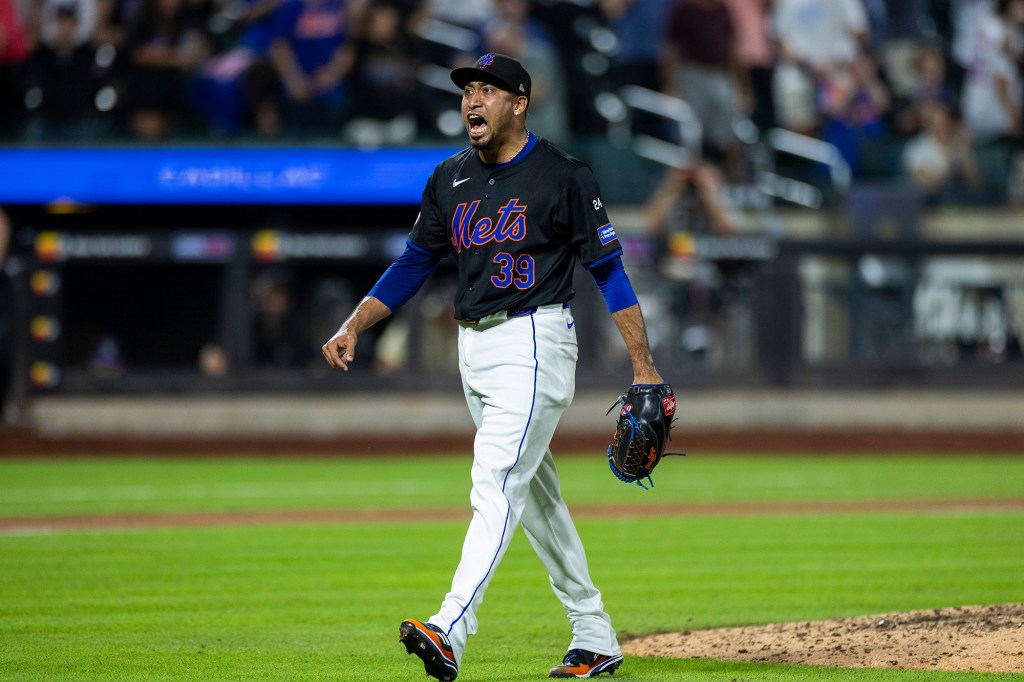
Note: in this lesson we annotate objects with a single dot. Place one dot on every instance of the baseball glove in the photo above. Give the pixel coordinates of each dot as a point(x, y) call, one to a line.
point(643, 428)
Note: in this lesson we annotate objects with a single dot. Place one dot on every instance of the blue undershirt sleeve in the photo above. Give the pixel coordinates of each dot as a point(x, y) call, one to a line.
point(404, 277)
point(611, 279)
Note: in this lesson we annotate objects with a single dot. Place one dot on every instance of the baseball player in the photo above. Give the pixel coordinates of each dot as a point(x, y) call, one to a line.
point(517, 213)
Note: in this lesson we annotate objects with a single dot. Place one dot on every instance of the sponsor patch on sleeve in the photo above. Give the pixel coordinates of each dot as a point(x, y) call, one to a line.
point(606, 233)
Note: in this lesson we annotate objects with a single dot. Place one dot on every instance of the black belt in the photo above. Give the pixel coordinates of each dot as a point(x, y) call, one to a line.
point(515, 312)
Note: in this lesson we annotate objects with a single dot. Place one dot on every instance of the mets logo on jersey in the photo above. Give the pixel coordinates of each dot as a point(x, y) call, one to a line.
point(486, 61)
point(606, 233)
point(510, 225)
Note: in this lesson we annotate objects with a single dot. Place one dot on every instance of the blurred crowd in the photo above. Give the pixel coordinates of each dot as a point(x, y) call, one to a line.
point(82, 70)
point(929, 90)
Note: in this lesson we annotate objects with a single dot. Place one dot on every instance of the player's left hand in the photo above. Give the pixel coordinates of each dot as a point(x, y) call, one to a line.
point(642, 430)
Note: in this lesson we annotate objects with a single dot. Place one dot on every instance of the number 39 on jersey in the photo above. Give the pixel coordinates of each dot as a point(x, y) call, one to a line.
point(510, 225)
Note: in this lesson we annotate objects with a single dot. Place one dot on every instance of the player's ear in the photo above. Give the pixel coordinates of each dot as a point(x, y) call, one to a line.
point(520, 105)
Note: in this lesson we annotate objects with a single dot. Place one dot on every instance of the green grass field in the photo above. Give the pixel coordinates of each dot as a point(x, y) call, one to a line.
point(323, 601)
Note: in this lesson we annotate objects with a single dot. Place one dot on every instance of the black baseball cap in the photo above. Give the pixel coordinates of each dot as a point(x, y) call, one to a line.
point(497, 69)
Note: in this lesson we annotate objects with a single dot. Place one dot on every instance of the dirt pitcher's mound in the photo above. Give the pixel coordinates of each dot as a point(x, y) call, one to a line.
point(981, 638)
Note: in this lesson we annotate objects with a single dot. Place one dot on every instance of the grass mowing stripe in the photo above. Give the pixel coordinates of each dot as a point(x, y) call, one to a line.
point(299, 490)
point(43, 525)
point(117, 486)
point(323, 602)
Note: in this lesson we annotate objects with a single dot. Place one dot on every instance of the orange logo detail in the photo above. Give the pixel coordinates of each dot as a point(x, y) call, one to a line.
point(266, 246)
point(44, 374)
point(44, 328)
point(49, 247)
point(44, 283)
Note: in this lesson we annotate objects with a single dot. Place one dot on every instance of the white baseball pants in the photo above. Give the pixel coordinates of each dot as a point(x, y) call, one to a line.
point(519, 376)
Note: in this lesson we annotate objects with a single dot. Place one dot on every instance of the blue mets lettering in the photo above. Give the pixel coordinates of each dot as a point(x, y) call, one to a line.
point(510, 225)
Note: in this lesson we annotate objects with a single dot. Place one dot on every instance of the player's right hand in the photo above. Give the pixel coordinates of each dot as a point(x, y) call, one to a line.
point(340, 349)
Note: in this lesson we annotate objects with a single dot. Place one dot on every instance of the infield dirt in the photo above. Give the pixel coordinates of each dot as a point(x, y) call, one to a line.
point(968, 638)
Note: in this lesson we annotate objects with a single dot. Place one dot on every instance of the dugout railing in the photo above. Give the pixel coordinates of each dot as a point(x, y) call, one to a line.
point(828, 311)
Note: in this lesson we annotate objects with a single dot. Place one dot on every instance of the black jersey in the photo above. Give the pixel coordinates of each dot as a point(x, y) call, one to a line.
point(517, 229)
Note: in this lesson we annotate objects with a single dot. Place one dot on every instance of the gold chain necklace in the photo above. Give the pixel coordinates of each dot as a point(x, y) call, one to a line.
point(521, 147)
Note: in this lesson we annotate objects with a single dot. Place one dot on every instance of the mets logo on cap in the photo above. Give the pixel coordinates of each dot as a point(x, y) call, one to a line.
point(486, 61)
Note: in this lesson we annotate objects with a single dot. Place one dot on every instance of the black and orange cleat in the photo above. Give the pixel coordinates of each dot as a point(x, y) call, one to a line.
point(580, 663)
point(431, 644)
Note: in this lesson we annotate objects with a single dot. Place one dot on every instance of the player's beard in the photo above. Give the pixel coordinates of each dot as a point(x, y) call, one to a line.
point(487, 143)
point(484, 144)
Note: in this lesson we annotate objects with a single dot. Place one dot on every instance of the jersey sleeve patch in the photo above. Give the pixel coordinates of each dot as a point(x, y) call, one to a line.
point(606, 234)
